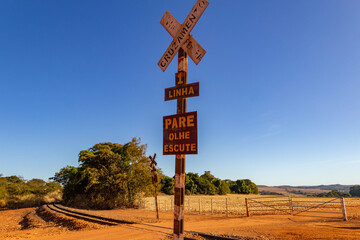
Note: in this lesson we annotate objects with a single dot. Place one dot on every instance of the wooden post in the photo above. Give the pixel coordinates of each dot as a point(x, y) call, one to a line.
point(247, 207)
point(171, 206)
point(154, 181)
point(180, 79)
point(343, 208)
point(227, 209)
point(211, 207)
point(199, 206)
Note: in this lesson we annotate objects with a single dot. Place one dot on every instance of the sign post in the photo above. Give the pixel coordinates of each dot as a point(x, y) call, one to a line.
point(180, 130)
point(180, 158)
point(153, 164)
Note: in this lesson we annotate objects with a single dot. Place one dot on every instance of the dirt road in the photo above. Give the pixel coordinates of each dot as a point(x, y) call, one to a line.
point(26, 224)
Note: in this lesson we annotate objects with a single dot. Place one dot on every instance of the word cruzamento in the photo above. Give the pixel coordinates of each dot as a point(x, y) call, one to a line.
point(180, 134)
point(183, 33)
point(182, 91)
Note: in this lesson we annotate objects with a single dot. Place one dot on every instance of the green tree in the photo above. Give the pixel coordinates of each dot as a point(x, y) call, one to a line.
point(109, 175)
point(191, 181)
point(205, 186)
point(223, 188)
point(36, 186)
point(355, 191)
point(167, 185)
point(16, 186)
point(244, 186)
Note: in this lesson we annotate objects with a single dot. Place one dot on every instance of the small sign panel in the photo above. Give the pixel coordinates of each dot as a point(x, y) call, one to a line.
point(180, 134)
point(182, 91)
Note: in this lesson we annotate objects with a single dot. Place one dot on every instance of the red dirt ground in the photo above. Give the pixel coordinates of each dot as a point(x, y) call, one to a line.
point(249, 228)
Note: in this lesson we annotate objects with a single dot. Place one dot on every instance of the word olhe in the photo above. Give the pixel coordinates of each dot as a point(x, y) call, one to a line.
point(180, 134)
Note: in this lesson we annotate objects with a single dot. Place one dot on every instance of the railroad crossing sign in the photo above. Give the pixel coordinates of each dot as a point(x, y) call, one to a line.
point(191, 46)
point(181, 35)
point(180, 130)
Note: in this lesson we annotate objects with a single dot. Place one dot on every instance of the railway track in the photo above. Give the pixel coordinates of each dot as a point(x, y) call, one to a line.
point(140, 226)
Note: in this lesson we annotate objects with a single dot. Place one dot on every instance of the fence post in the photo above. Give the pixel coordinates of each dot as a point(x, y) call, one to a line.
point(211, 207)
point(291, 205)
point(227, 209)
point(247, 207)
point(145, 204)
point(199, 206)
point(171, 206)
point(343, 208)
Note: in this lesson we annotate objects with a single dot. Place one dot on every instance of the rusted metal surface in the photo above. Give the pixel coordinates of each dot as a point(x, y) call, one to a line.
point(183, 33)
point(191, 46)
point(183, 91)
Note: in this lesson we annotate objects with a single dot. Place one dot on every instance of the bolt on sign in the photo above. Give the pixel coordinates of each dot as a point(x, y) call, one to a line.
point(180, 134)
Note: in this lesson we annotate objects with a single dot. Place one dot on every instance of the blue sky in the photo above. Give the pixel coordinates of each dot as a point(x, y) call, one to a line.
point(279, 86)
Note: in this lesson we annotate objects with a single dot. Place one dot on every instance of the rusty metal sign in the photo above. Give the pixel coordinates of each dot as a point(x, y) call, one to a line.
point(191, 46)
point(183, 33)
point(182, 91)
point(180, 134)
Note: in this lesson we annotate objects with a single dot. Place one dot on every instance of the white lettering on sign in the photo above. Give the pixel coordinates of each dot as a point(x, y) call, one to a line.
point(183, 33)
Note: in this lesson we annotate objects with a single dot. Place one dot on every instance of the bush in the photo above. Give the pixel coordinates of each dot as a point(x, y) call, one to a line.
point(15, 192)
point(334, 193)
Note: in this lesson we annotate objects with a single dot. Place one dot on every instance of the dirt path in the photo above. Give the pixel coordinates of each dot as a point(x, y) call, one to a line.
point(252, 228)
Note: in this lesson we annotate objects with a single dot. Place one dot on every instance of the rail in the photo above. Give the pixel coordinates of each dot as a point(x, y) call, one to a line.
point(130, 224)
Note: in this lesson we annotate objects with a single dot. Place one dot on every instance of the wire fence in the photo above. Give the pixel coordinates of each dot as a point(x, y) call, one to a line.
point(216, 205)
point(238, 205)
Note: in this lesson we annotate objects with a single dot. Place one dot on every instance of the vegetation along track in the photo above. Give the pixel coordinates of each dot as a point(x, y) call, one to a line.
point(111, 222)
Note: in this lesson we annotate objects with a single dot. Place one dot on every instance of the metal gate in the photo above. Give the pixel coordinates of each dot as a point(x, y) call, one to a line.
point(297, 206)
point(324, 208)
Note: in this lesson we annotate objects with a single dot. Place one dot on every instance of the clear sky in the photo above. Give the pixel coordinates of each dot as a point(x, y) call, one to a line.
point(279, 86)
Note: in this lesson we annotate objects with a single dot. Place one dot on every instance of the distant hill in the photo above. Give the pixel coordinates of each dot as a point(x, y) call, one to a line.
point(303, 190)
point(344, 188)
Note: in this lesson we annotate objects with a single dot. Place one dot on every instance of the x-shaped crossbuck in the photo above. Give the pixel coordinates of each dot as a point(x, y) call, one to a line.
point(181, 35)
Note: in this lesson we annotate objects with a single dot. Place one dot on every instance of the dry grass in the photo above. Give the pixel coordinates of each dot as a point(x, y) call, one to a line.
point(236, 204)
point(30, 200)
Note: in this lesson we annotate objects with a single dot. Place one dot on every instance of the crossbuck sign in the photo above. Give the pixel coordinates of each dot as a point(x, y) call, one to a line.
point(181, 35)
